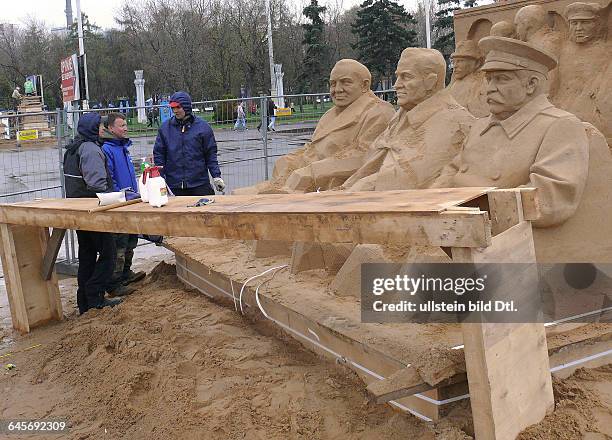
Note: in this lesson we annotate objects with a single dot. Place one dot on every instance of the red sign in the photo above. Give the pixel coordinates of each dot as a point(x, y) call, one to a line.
point(70, 83)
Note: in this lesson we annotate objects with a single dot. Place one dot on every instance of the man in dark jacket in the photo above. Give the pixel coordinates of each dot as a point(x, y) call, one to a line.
point(116, 148)
point(86, 173)
point(186, 149)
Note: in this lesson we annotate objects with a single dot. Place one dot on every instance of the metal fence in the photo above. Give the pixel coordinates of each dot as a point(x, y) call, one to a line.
point(32, 168)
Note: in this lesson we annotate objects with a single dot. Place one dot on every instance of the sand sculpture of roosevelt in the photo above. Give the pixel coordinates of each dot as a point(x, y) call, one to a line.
point(585, 71)
point(423, 136)
point(467, 83)
point(340, 140)
point(526, 141)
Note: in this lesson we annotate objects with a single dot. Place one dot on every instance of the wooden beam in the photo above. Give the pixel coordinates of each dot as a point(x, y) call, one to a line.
point(333, 218)
point(507, 364)
point(10, 266)
point(53, 246)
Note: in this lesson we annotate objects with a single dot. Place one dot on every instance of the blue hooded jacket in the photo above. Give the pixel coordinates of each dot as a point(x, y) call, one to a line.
point(120, 163)
point(186, 148)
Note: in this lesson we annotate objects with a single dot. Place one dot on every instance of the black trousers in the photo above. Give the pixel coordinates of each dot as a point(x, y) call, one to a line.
point(97, 254)
point(202, 190)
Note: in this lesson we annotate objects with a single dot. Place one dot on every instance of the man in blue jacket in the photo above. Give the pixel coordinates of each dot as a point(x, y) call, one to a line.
point(186, 149)
point(86, 173)
point(116, 148)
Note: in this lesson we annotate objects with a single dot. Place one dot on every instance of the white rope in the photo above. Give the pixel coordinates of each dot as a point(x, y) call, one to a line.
point(251, 279)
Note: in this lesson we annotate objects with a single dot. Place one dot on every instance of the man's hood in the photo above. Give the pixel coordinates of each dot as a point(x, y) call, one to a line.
point(88, 127)
point(184, 99)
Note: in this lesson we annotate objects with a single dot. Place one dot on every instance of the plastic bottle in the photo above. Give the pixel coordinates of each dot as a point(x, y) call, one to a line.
point(142, 188)
point(157, 191)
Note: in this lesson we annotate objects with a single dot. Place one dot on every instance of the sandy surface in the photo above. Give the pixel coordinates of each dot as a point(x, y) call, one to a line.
point(170, 364)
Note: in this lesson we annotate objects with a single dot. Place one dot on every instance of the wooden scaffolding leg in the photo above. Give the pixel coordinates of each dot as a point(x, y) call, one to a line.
point(32, 299)
point(507, 364)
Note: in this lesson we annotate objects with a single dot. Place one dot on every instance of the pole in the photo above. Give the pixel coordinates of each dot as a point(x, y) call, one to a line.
point(270, 50)
point(427, 24)
point(82, 53)
point(264, 127)
point(58, 135)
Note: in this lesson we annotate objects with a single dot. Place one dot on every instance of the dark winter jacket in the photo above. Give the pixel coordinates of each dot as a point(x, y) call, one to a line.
point(186, 148)
point(120, 164)
point(85, 168)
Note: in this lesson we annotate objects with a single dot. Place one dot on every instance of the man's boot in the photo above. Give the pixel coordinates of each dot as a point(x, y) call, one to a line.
point(130, 277)
point(121, 291)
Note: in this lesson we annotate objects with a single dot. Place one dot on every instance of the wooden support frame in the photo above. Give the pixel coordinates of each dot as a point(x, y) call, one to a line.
point(33, 300)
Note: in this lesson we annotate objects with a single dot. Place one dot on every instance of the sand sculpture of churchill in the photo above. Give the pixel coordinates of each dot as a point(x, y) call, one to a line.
point(341, 138)
point(526, 141)
point(423, 136)
point(467, 83)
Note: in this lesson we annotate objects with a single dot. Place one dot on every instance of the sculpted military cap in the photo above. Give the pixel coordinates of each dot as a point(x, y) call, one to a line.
point(510, 54)
point(582, 11)
point(467, 49)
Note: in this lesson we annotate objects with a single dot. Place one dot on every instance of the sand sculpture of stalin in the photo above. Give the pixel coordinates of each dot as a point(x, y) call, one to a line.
point(526, 141)
point(342, 136)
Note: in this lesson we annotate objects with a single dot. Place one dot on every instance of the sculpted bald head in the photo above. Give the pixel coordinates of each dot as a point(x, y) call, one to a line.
point(348, 81)
point(529, 20)
point(420, 74)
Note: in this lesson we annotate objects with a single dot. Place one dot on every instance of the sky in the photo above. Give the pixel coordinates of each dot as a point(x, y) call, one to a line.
point(100, 12)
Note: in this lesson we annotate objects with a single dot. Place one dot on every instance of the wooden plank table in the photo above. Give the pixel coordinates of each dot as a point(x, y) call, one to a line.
point(471, 224)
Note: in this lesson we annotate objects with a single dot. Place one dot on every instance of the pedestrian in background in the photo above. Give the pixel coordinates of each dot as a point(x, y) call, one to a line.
point(16, 97)
point(271, 115)
point(240, 117)
point(116, 148)
point(86, 173)
point(186, 149)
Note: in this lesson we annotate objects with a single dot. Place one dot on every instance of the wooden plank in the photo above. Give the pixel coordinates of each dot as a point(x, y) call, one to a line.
point(505, 209)
point(52, 249)
point(233, 220)
point(10, 266)
point(507, 364)
point(338, 202)
point(53, 292)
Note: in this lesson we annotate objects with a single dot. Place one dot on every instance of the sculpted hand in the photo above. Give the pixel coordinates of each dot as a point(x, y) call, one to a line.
point(219, 184)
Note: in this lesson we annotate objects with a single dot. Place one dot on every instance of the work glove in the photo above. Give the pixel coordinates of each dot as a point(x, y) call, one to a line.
point(219, 184)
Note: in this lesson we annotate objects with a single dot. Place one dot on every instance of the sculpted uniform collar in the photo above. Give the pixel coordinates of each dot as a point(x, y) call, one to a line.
point(335, 120)
point(519, 120)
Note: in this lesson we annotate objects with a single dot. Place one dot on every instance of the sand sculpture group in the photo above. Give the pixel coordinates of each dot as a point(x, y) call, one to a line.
point(525, 107)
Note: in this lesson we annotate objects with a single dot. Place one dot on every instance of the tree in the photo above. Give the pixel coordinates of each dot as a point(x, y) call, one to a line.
point(316, 58)
point(443, 25)
point(383, 29)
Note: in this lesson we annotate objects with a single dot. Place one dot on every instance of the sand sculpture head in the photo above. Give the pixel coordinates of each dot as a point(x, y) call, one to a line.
point(348, 80)
point(467, 58)
point(516, 72)
point(420, 74)
point(585, 23)
point(528, 20)
point(502, 29)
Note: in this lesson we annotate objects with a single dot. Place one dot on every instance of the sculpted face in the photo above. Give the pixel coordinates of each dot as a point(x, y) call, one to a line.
point(411, 86)
point(583, 30)
point(346, 85)
point(507, 92)
point(463, 66)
